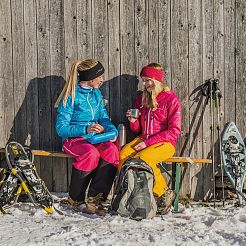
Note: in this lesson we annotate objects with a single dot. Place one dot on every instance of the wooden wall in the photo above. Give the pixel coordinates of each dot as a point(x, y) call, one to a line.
point(194, 40)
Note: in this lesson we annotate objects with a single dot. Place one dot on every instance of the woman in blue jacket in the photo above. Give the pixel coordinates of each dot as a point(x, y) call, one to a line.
point(81, 120)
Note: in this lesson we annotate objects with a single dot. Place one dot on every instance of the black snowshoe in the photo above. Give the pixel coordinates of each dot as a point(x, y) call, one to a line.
point(21, 176)
point(8, 189)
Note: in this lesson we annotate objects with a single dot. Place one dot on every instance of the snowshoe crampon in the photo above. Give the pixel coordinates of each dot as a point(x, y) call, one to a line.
point(24, 171)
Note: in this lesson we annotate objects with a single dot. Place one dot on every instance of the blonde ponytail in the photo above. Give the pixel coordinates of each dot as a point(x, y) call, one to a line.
point(70, 86)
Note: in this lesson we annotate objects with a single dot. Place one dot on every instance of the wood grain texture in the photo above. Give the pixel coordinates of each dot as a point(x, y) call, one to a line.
point(6, 73)
point(44, 88)
point(114, 81)
point(57, 68)
point(31, 59)
point(208, 72)
point(180, 80)
point(195, 96)
point(240, 67)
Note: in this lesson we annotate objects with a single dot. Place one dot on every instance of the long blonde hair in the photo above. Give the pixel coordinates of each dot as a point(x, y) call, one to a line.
point(149, 98)
point(70, 86)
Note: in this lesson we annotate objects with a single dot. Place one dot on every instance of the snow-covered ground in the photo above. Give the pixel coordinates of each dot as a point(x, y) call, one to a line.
point(196, 225)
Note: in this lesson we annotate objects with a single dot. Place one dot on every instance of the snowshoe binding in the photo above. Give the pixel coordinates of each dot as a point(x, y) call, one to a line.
point(23, 169)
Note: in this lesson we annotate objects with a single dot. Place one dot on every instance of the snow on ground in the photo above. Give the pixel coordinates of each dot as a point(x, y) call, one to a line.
point(196, 225)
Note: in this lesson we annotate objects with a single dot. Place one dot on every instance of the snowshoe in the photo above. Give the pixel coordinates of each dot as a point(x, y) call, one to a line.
point(9, 189)
point(234, 158)
point(25, 171)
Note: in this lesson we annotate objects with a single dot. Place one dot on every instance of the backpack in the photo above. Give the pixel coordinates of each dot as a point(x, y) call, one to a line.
point(133, 196)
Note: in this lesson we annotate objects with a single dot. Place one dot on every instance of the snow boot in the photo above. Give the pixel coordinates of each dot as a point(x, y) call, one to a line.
point(165, 201)
point(71, 204)
point(94, 205)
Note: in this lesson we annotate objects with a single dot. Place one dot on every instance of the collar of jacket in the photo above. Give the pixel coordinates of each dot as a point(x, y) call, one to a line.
point(163, 94)
point(83, 89)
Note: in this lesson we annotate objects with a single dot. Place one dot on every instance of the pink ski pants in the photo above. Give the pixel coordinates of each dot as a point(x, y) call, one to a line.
point(87, 155)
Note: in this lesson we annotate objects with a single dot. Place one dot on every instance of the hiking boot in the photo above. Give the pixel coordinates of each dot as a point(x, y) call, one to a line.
point(165, 201)
point(94, 205)
point(76, 205)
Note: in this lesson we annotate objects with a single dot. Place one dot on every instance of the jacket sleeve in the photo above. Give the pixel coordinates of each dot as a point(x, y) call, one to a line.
point(104, 119)
point(136, 127)
point(174, 126)
point(63, 126)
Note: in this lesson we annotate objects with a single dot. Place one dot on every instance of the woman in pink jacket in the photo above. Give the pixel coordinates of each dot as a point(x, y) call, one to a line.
point(158, 126)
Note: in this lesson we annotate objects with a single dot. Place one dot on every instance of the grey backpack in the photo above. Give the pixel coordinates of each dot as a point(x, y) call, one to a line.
point(133, 196)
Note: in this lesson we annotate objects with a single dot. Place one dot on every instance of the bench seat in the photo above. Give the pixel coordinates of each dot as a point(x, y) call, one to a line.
point(176, 167)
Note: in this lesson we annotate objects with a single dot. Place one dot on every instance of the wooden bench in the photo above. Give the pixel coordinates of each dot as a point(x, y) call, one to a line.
point(175, 161)
point(176, 173)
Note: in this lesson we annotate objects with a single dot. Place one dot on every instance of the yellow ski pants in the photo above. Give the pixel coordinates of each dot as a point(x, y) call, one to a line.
point(152, 155)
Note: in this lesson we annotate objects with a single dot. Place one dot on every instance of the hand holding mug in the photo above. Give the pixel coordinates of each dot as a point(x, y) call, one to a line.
point(132, 115)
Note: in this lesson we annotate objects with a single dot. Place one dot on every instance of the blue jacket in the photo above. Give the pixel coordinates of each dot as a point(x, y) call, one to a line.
point(88, 108)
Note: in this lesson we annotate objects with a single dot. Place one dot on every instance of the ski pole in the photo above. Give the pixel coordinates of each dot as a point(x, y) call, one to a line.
point(218, 96)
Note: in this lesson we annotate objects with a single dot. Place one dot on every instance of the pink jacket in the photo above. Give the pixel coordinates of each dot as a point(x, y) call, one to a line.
point(162, 124)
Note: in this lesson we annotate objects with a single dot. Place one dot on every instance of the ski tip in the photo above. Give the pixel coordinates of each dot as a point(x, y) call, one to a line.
point(48, 210)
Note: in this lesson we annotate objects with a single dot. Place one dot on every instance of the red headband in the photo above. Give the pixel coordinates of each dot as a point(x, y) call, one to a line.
point(152, 73)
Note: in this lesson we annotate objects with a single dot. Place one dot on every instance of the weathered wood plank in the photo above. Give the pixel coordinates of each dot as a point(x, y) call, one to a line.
point(71, 27)
point(6, 73)
point(129, 80)
point(208, 72)
point(240, 66)
point(141, 35)
point(85, 28)
point(230, 65)
point(20, 121)
point(196, 98)
point(100, 39)
point(114, 61)
point(43, 49)
point(153, 26)
point(219, 65)
point(165, 38)
point(70, 32)
point(31, 98)
point(179, 39)
point(57, 63)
